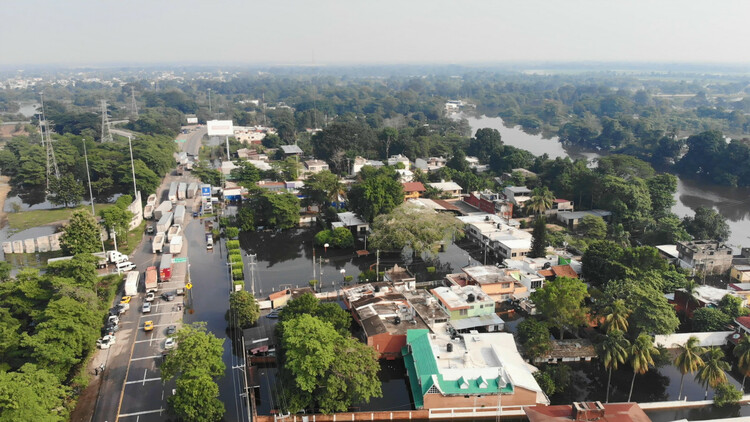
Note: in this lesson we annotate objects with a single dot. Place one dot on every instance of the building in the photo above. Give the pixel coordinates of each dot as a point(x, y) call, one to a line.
point(448, 188)
point(571, 219)
point(500, 284)
point(703, 296)
point(315, 166)
point(430, 164)
point(352, 222)
point(251, 134)
point(191, 119)
point(573, 350)
point(559, 205)
point(491, 203)
point(227, 167)
point(260, 165)
point(291, 150)
point(474, 164)
point(360, 162)
point(272, 186)
point(400, 278)
point(413, 190)
point(469, 370)
point(707, 256)
point(464, 301)
point(517, 195)
point(251, 154)
point(500, 239)
point(395, 159)
point(742, 290)
point(589, 411)
point(740, 273)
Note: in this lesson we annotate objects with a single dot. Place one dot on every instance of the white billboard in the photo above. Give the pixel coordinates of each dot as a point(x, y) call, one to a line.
point(220, 128)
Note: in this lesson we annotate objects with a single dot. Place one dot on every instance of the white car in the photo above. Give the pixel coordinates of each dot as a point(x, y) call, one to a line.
point(113, 319)
point(106, 342)
point(169, 343)
point(124, 266)
point(146, 307)
point(150, 296)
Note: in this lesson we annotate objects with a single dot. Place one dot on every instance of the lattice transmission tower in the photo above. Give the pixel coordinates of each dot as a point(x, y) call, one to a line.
point(44, 131)
point(133, 104)
point(106, 130)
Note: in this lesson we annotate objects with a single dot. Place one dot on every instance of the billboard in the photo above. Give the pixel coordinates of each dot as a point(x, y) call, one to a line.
point(220, 128)
point(206, 191)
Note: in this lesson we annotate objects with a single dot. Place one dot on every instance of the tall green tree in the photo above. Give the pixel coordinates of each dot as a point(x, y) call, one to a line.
point(641, 353)
point(408, 225)
point(117, 218)
point(710, 319)
point(81, 234)
point(593, 227)
point(32, 394)
point(321, 189)
point(243, 310)
point(539, 238)
point(199, 352)
point(541, 200)
point(613, 350)
point(246, 174)
point(534, 338)
point(601, 262)
point(196, 399)
point(662, 188)
point(277, 210)
point(688, 359)
point(561, 302)
point(65, 191)
point(378, 193)
point(742, 353)
point(616, 316)
point(707, 224)
point(713, 372)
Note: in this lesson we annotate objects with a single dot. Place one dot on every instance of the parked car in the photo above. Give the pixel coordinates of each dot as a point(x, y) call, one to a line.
point(150, 296)
point(168, 296)
point(124, 266)
point(169, 343)
point(125, 299)
point(146, 307)
point(148, 325)
point(273, 314)
point(106, 342)
point(110, 329)
point(171, 330)
point(113, 319)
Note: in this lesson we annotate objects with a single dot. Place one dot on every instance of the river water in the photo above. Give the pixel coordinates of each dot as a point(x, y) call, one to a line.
point(732, 203)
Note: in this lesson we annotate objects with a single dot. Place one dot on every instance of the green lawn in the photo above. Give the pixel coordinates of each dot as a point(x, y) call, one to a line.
point(23, 220)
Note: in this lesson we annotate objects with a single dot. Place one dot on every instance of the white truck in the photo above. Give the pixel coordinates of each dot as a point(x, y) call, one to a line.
point(175, 245)
point(162, 209)
point(157, 245)
point(151, 200)
point(175, 230)
point(165, 222)
point(173, 192)
point(179, 214)
point(192, 190)
point(131, 283)
point(148, 212)
point(116, 257)
point(182, 190)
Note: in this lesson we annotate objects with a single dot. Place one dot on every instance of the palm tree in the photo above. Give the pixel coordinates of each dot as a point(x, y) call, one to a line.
point(689, 359)
point(541, 200)
point(742, 352)
point(641, 356)
point(613, 350)
point(712, 373)
point(616, 316)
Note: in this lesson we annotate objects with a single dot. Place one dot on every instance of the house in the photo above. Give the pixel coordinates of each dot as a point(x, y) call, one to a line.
point(571, 219)
point(490, 202)
point(291, 150)
point(272, 186)
point(517, 195)
point(227, 167)
point(464, 301)
point(450, 188)
point(191, 119)
point(413, 190)
point(400, 277)
point(703, 296)
point(360, 162)
point(740, 273)
point(315, 166)
point(395, 159)
point(588, 411)
point(573, 350)
point(503, 241)
point(534, 272)
point(707, 256)
point(352, 222)
point(742, 290)
point(498, 283)
point(260, 165)
point(474, 164)
point(558, 205)
point(555, 271)
point(247, 154)
point(468, 371)
point(250, 134)
point(404, 175)
point(525, 173)
point(430, 164)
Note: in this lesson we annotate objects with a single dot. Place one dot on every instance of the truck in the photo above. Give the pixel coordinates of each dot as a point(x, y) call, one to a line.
point(192, 190)
point(179, 214)
point(165, 267)
point(175, 245)
point(175, 230)
point(162, 209)
point(158, 243)
point(172, 192)
point(179, 272)
point(151, 279)
point(181, 190)
point(148, 212)
point(102, 259)
point(116, 257)
point(151, 200)
point(131, 283)
point(165, 222)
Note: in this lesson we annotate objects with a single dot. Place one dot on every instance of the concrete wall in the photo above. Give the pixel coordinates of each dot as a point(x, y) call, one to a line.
point(136, 207)
point(49, 243)
point(521, 397)
point(716, 338)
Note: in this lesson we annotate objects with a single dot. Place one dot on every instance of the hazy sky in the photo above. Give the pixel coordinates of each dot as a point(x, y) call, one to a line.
point(73, 32)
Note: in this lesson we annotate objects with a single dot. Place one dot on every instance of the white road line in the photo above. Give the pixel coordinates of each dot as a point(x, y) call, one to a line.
point(144, 341)
point(146, 357)
point(144, 381)
point(145, 412)
point(145, 371)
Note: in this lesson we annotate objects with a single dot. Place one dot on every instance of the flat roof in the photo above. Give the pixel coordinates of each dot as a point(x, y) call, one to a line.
point(570, 215)
point(377, 315)
point(291, 149)
point(518, 189)
point(446, 186)
point(488, 274)
point(475, 322)
point(456, 297)
point(350, 219)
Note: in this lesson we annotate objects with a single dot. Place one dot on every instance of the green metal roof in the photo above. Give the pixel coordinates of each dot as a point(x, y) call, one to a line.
point(422, 369)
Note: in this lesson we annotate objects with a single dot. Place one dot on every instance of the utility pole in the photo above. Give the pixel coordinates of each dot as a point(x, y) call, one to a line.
point(252, 272)
point(377, 264)
point(132, 167)
point(47, 145)
point(210, 111)
point(91, 192)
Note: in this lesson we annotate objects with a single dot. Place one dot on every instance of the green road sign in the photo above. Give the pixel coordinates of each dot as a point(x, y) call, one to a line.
point(180, 140)
point(176, 260)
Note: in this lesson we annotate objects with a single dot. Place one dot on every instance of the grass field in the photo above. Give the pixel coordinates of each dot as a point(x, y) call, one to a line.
point(23, 220)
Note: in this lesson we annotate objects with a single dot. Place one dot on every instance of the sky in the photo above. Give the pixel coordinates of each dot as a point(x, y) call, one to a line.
point(90, 32)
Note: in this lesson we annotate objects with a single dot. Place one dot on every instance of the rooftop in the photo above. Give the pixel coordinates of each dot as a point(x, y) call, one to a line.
point(617, 412)
point(350, 219)
point(740, 287)
point(413, 187)
point(580, 214)
point(559, 271)
point(446, 186)
point(710, 294)
point(312, 163)
point(518, 189)
point(291, 149)
point(377, 315)
point(458, 297)
point(477, 321)
point(488, 274)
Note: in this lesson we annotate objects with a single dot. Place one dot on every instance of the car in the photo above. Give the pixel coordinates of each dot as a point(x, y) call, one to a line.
point(110, 329)
point(171, 330)
point(106, 342)
point(146, 307)
point(150, 229)
point(180, 292)
point(150, 296)
point(169, 343)
point(124, 266)
point(113, 320)
point(273, 314)
point(125, 299)
point(148, 325)
point(168, 296)
point(195, 214)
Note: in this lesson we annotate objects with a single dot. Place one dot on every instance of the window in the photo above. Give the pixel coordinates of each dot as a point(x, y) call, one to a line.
point(433, 390)
point(513, 254)
point(463, 312)
point(536, 284)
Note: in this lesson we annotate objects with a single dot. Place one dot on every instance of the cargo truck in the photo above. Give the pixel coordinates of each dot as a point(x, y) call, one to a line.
point(148, 212)
point(158, 243)
point(192, 190)
point(179, 215)
point(162, 209)
point(151, 280)
point(116, 257)
point(182, 190)
point(172, 192)
point(175, 230)
point(175, 245)
point(151, 200)
point(165, 267)
point(131, 283)
point(165, 222)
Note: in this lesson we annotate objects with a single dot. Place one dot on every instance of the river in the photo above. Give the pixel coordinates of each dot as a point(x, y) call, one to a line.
point(732, 203)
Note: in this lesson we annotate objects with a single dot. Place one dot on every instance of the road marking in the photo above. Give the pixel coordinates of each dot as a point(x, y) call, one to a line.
point(144, 381)
point(145, 371)
point(145, 412)
point(161, 313)
point(144, 358)
point(144, 341)
point(122, 390)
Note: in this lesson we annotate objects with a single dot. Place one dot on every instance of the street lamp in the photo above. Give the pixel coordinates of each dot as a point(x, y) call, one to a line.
point(343, 276)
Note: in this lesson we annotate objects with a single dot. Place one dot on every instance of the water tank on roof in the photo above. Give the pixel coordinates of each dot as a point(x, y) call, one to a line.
point(450, 347)
point(470, 297)
point(377, 289)
point(546, 265)
point(397, 320)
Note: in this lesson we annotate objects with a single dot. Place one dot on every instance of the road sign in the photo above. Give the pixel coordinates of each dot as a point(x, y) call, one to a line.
point(177, 260)
point(189, 286)
point(180, 140)
point(206, 191)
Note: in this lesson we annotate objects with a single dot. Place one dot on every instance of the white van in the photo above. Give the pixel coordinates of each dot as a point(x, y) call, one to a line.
point(124, 266)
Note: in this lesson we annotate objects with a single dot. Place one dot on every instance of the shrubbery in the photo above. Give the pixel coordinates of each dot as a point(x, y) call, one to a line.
point(339, 237)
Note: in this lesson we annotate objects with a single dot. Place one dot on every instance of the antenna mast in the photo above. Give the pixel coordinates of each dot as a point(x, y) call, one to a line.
point(106, 133)
point(47, 145)
point(133, 104)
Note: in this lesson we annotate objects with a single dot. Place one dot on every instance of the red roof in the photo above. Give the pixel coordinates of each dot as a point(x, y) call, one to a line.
point(559, 271)
point(619, 412)
point(413, 187)
point(559, 200)
point(744, 321)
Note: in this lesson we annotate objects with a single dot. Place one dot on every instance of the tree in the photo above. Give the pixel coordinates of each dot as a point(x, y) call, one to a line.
point(593, 227)
point(712, 373)
point(321, 189)
point(690, 287)
point(310, 305)
point(32, 394)
point(732, 306)
point(65, 190)
point(539, 238)
point(561, 301)
point(710, 319)
point(199, 352)
point(534, 338)
point(411, 226)
point(81, 234)
point(641, 356)
point(601, 262)
point(146, 179)
point(742, 353)
point(246, 174)
point(377, 194)
point(707, 224)
point(613, 350)
point(668, 230)
point(726, 394)
point(117, 218)
point(243, 310)
point(688, 359)
point(5, 268)
point(616, 316)
point(662, 188)
point(541, 200)
point(196, 398)
point(277, 210)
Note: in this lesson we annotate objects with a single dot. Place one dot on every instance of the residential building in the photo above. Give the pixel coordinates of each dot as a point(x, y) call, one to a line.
point(430, 164)
point(559, 205)
point(404, 175)
point(707, 256)
point(534, 272)
point(475, 165)
point(469, 370)
point(571, 219)
point(502, 240)
point(739, 273)
point(400, 278)
point(500, 284)
point(260, 165)
point(360, 162)
point(464, 301)
point(525, 173)
point(251, 154)
point(413, 190)
point(517, 195)
point(395, 159)
point(352, 222)
point(227, 167)
point(588, 411)
point(449, 188)
point(191, 119)
point(291, 150)
point(490, 202)
point(315, 166)
point(742, 290)
point(251, 134)
point(437, 205)
point(272, 186)
point(573, 350)
point(703, 296)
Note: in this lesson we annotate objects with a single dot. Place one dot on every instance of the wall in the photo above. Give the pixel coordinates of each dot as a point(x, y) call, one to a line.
point(136, 207)
point(521, 396)
point(388, 346)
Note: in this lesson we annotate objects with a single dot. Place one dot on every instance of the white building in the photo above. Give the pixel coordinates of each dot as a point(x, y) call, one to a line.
point(360, 162)
point(395, 159)
point(517, 194)
point(504, 241)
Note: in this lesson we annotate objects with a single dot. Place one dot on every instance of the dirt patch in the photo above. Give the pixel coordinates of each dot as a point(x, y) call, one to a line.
point(9, 131)
point(4, 189)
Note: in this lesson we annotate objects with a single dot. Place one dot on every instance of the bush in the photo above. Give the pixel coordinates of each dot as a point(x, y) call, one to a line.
point(323, 237)
point(348, 278)
point(237, 274)
point(235, 259)
point(726, 394)
point(235, 252)
point(232, 232)
point(313, 283)
point(431, 270)
point(224, 221)
point(339, 237)
point(233, 245)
